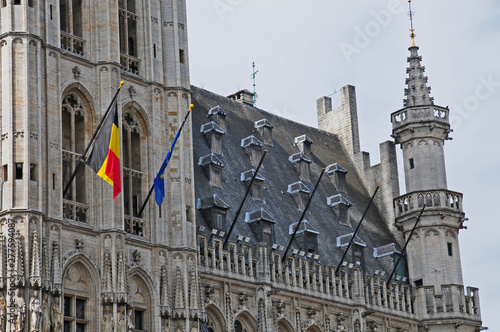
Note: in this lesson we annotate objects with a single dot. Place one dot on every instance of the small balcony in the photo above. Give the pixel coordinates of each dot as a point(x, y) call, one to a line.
point(130, 64)
point(75, 211)
point(414, 201)
point(72, 44)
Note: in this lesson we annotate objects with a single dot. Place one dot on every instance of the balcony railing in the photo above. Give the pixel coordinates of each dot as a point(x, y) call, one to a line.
point(135, 226)
point(72, 44)
point(433, 198)
point(418, 114)
point(75, 211)
point(130, 64)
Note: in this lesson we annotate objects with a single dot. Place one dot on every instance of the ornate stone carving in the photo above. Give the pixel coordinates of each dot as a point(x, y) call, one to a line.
point(3, 311)
point(132, 92)
point(179, 304)
point(45, 313)
point(79, 244)
point(340, 324)
point(76, 72)
point(107, 278)
point(19, 313)
point(56, 316)
point(35, 313)
point(19, 261)
point(36, 271)
point(56, 268)
point(121, 288)
point(194, 295)
point(108, 321)
point(164, 298)
point(121, 320)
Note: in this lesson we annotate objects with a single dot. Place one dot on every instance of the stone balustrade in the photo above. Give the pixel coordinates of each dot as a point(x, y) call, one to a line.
point(452, 300)
point(420, 114)
point(72, 44)
point(75, 211)
point(241, 261)
point(130, 64)
point(433, 198)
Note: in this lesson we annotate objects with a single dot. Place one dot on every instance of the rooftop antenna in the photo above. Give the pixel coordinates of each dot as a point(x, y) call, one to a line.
point(254, 73)
point(412, 35)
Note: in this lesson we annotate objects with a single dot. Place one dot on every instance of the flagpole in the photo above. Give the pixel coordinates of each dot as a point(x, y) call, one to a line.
point(243, 201)
point(92, 140)
point(356, 231)
point(302, 217)
point(171, 149)
point(403, 252)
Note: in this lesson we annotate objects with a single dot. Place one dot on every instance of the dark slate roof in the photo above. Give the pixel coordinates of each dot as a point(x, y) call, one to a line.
point(279, 173)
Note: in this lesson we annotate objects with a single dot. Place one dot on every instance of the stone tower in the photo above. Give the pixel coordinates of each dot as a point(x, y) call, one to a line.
point(421, 129)
point(61, 63)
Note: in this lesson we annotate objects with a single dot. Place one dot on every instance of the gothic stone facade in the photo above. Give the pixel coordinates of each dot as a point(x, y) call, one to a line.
point(82, 262)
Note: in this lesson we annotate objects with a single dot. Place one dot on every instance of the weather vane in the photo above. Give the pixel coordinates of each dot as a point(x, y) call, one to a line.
point(412, 35)
point(253, 78)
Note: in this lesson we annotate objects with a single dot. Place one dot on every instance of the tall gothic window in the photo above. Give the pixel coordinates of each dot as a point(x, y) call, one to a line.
point(128, 36)
point(71, 16)
point(78, 300)
point(132, 145)
point(71, 26)
point(73, 146)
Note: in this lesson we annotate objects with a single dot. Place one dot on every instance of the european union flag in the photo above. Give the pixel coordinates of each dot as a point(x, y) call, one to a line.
point(159, 183)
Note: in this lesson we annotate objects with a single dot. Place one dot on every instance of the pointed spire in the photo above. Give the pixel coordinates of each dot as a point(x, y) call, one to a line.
point(179, 304)
point(19, 261)
point(194, 294)
point(107, 280)
point(121, 279)
point(56, 268)
point(45, 265)
point(35, 271)
point(164, 299)
point(417, 92)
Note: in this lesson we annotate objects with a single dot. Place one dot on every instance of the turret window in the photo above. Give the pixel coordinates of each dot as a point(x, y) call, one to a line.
point(19, 171)
point(412, 163)
point(450, 249)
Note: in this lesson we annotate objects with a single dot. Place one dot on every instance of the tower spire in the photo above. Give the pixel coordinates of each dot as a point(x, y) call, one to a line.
point(417, 92)
point(412, 35)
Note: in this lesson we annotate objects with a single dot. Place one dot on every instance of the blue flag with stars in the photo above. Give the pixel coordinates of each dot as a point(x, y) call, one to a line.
point(159, 182)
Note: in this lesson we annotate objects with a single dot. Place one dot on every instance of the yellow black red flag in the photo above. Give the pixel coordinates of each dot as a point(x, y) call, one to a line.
point(105, 156)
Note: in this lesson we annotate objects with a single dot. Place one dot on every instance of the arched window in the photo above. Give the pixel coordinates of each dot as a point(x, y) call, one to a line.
point(141, 307)
point(73, 146)
point(78, 300)
point(133, 143)
point(71, 26)
point(128, 36)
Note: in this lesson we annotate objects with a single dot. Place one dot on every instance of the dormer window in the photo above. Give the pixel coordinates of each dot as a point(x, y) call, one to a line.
point(257, 186)
point(214, 211)
point(253, 148)
point(337, 175)
point(218, 115)
point(340, 206)
point(262, 224)
point(212, 166)
point(358, 248)
point(306, 237)
point(304, 165)
point(300, 193)
point(265, 129)
point(304, 143)
point(213, 134)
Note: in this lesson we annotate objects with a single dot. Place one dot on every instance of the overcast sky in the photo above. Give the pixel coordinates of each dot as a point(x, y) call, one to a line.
point(304, 50)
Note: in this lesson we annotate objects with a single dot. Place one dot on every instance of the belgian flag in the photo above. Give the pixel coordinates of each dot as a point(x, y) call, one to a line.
point(105, 156)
